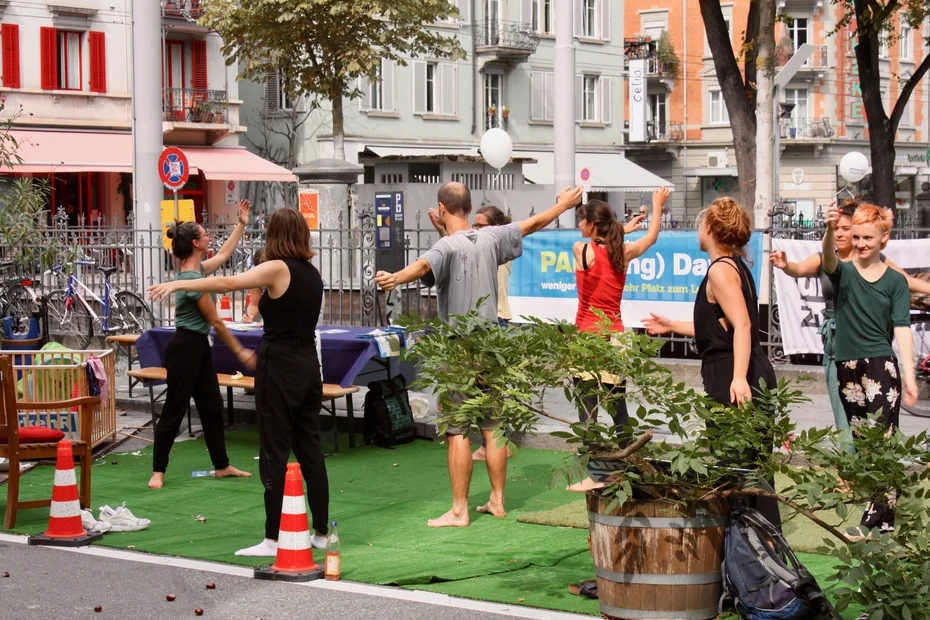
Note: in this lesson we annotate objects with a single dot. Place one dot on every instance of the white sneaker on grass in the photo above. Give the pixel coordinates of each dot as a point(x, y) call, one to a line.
point(266, 548)
point(121, 520)
point(317, 542)
point(91, 524)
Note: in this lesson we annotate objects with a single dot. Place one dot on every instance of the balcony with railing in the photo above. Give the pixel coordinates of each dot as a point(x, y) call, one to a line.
point(181, 9)
point(806, 129)
point(658, 131)
point(195, 105)
point(503, 40)
point(817, 63)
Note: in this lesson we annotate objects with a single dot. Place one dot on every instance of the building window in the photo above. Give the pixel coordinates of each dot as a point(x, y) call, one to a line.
point(718, 109)
point(542, 96)
point(798, 31)
point(589, 26)
point(907, 40)
point(799, 115)
point(69, 60)
point(883, 44)
point(542, 18)
point(277, 98)
point(431, 79)
point(728, 20)
point(376, 90)
point(589, 99)
point(493, 98)
point(657, 117)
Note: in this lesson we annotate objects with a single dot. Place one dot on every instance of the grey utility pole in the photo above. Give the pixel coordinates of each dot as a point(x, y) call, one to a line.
point(781, 80)
point(564, 117)
point(147, 189)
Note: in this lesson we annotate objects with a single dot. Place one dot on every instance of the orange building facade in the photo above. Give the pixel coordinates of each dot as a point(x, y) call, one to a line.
point(689, 140)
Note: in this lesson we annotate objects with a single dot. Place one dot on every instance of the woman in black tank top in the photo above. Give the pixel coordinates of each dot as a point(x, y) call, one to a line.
point(725, 322)
point(288, 383)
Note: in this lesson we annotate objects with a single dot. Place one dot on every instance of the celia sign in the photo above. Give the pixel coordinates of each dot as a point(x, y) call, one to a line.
point(637, 83)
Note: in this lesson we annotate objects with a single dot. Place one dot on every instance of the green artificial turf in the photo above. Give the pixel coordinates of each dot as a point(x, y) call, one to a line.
point(381, 499)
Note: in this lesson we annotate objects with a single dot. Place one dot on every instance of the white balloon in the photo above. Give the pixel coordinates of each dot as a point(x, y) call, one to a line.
point(854, 166)
point(496, 147)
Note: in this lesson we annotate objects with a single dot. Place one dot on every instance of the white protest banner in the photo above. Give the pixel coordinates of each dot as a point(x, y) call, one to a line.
point(801, 303)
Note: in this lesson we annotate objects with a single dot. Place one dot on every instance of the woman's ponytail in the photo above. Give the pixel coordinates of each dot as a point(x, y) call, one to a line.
point(614, 242)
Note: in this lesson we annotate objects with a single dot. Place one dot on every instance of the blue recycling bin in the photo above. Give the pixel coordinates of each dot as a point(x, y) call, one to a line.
point(19, 340)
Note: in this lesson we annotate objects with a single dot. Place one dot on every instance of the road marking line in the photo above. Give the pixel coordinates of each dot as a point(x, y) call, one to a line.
point(416, 596)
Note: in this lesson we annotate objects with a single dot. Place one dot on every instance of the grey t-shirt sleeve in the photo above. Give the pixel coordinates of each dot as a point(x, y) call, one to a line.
point(509, 242)
point(438, 258)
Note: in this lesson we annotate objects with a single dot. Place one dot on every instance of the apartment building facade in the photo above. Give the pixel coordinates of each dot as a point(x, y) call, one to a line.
point(690, 141)
point(67, 83)
point(434, 108)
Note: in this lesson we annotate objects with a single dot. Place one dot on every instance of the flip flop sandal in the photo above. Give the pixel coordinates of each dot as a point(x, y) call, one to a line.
point(586, 589)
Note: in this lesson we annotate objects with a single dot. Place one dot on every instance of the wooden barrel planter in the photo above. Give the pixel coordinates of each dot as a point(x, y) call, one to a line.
point(652, 560)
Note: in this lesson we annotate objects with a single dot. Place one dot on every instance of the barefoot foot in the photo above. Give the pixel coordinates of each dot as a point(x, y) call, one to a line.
point(157, 480)
point(450, 519)
point(493, 508)
point(585, 485)
point(232, 472)
point(479, 454)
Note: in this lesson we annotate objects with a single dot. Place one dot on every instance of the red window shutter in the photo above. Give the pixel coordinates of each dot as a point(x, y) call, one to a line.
point(98, 62)
point(49, 40)
point(10, 35)
point(199, 64)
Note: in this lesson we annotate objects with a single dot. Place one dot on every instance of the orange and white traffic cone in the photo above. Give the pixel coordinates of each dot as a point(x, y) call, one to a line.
point(226, 309)
point(294, 561)
point(64, 521)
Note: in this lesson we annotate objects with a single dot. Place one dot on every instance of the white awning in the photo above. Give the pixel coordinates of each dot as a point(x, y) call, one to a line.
point(729, 171)
point(425, 151)
point(610, 172)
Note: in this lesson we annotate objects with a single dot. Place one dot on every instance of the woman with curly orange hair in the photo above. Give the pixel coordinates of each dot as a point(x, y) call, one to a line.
point(726, 319)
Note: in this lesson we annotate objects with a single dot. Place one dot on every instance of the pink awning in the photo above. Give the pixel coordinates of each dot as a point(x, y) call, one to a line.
point(235, 164)
point(44, 152)
point(72, 151)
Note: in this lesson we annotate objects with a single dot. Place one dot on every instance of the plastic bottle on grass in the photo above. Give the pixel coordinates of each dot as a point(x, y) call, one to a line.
point(332, 553)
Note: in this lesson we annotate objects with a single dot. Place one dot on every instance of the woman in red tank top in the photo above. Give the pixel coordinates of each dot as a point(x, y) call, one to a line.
point(600, 271)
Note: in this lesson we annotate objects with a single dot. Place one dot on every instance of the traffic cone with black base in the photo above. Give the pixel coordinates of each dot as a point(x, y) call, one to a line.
point(64, 521)
point(294, 561)
point(226, 309)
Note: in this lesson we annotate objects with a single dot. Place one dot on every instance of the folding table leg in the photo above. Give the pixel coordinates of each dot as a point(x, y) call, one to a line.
point(350, 414)
point(190, 430)
point(152, 401)
point(335, 426)
point(229, 406)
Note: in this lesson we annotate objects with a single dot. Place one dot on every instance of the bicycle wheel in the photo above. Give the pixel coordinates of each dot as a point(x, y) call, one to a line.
point(69, 322)
point(130, 314)
point(922, 407)
point(20, 306)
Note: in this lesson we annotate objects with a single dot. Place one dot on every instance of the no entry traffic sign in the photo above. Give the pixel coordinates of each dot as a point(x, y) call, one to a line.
point(173, 168)
point(585, 174)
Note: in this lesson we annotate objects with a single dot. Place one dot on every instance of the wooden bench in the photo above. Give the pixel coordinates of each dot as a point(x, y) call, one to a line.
point(125, 343)
point(229, 382)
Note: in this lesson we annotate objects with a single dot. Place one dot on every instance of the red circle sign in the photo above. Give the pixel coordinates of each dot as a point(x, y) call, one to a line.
point(173, 168)
point(585, 174)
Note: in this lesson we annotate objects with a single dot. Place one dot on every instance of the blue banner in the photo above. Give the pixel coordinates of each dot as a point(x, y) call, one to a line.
point(670, 271)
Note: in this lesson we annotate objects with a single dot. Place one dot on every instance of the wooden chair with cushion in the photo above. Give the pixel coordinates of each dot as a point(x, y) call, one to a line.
point(29, 443)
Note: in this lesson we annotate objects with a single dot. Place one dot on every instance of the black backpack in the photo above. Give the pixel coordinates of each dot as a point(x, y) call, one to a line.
point(763, 576)
point(388, 417)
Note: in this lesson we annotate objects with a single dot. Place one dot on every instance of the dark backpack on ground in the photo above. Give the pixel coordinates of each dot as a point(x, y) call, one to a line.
point(763, 576)
point(388, 417)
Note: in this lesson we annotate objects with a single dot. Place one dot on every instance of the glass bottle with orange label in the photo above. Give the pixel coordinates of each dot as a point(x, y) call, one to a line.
point(332, 554)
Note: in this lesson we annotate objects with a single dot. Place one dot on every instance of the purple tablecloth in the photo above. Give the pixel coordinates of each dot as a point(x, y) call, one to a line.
point(344, 355)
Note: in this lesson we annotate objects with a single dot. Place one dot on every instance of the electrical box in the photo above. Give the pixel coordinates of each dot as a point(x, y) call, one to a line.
point(390, 247)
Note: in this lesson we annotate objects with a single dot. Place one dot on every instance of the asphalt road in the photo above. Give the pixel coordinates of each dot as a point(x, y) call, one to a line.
point(52, 584)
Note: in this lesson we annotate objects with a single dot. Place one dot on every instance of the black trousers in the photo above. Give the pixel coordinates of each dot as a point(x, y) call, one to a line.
point(589, 403)
point(189, 362)
point(288, 397)
point(717, 374)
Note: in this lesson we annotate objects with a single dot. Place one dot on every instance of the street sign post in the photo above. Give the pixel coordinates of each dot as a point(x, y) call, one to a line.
point(174, 171)
point(585, 177)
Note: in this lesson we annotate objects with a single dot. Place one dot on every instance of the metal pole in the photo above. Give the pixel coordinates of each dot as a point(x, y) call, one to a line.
point(564, 117)
point(175, 193)
point(147, 127)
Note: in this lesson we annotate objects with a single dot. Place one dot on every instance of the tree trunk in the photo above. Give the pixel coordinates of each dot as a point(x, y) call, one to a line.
point(339, 149)
point(739, 97)
point(881, 134)
point(766, 183)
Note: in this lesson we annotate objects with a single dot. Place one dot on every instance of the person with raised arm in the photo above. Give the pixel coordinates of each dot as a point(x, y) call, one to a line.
point(463, 266)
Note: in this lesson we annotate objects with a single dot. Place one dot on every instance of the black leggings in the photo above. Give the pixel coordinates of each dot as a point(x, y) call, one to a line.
point(189, 362)
point(717, 374)
point(588, 404)
point(288, 397)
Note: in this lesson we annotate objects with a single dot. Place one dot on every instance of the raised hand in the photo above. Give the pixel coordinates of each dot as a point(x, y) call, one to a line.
point(778, 259)
point(660, 196)
point(387, 281)
point(656, 324)
point(569, 197)
point(245, 212)
point(160, 292)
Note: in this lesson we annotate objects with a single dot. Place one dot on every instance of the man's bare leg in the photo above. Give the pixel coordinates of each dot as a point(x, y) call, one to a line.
point(460, 467)
point(496, 458)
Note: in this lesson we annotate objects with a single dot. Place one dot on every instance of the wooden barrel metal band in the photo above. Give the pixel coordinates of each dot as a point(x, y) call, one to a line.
point(693, 579)
point(674, 523)
point(694, 614)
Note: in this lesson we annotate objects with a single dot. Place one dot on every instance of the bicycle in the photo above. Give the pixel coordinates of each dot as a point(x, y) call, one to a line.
point(70, 314)
point(19, 301)
point(922, 366)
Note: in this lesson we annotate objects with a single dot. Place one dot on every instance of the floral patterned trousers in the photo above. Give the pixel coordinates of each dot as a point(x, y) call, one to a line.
point(870, 386)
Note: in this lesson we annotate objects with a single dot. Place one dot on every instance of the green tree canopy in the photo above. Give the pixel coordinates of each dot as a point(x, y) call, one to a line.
point(322, 47)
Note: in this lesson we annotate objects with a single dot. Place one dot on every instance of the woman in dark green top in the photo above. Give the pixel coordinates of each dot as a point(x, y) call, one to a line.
point(872, 307)
point(188, 356)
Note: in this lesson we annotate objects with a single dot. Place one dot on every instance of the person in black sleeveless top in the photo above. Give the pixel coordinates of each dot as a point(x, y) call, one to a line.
point(726, 319)
point(288, 384)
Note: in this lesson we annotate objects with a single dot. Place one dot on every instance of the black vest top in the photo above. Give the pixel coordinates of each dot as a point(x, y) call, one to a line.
point(294, 314)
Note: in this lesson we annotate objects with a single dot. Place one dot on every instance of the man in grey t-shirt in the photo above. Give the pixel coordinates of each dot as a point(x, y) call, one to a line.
point(463, 266)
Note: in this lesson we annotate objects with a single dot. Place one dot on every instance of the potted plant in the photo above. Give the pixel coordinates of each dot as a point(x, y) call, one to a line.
point(505, 112)
point(492, 110)
point(665, 53)
point(676, 491)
